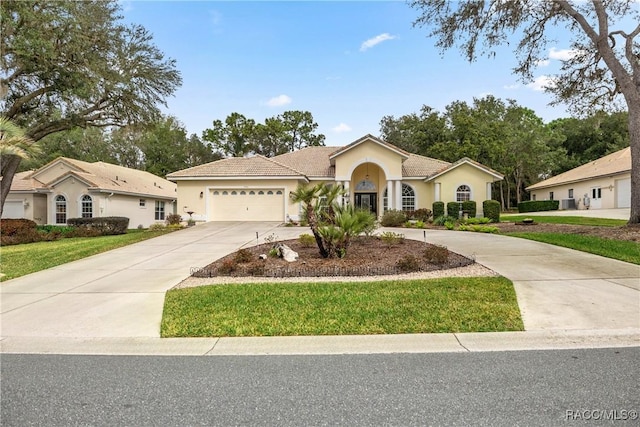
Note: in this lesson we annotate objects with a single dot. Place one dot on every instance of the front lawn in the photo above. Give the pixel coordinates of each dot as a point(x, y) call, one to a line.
point(573, 220)
point(19, 260)
point(623, 250)
point(389, 307)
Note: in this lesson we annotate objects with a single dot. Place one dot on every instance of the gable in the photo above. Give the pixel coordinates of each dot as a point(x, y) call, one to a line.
point(55, 169)
point(368, 151)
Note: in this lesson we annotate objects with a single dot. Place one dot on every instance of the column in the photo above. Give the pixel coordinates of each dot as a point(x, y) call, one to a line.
point(398, 195)
point(347, 197)
point(437, 195)
point(488, 191)
point(390, 202)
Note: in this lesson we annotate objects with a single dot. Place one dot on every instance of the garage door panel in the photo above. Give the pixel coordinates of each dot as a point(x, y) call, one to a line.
point(248, 205)
point(13, 209)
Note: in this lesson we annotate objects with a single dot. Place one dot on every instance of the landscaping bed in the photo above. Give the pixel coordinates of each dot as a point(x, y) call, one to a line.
point(626, 233)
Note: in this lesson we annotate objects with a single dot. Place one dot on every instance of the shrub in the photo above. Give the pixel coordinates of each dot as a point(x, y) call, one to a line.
point(477, 221)
point(393, 218)
point(469, 207)
point(436, 254)
point(449, 225)
point(227, 266)
point(157, 226)
point(408, 263)
point(391, 238)
point(243, 256)
point(56, 229)
point(438, 209)
point(108, 225)
point(307, 240)
point(11, 227)
point(478, 228)
point(443, 219)
point(453, 209)
point(173, 219)
point(538, 206)
point(491, 209)
point(273, 253)
point(423, 215)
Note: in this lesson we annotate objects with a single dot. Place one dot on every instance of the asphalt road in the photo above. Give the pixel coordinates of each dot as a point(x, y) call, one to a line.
point(562, 387)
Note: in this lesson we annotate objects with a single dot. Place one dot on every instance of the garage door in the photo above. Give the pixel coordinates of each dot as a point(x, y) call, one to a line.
point(13, 209)
point(623, 193)
point(247, 205)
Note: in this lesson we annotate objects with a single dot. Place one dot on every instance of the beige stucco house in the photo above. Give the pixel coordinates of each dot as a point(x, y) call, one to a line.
point(604, 183)
point(376, 175)
point(67, 188)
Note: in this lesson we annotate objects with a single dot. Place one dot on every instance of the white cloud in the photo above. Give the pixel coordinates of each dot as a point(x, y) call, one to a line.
point(512, 86)
point(562, 54)
point(375, 40)
point(543, 63)
point(541, 83)
point(126, 5)
point(341, 128)
point(279, 101)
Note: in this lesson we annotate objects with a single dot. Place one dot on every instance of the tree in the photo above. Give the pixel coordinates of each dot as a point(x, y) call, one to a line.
point(605, 61)
point(14, 141)
point(233, 137)
point(68, 64)
point(415, 133)
point(299, 128)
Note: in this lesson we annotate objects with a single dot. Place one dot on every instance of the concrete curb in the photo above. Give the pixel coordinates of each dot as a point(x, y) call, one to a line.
point(326, 345)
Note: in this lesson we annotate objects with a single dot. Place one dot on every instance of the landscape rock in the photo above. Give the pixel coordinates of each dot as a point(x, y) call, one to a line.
point(286, 253)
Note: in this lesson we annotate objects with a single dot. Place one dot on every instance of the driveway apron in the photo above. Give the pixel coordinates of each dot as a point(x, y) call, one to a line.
point(119, 293)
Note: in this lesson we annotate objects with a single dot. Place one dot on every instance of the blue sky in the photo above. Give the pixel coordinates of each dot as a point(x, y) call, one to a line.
point(348, 63)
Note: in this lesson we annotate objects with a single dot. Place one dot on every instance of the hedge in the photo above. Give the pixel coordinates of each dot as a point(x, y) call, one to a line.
point(491, 209)
point(538, 206)
point(438, 209)
point(453, 209)
point(108, 225)
point(469, 207)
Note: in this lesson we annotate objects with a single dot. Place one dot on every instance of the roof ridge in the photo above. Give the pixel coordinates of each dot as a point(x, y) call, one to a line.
point(271, 159)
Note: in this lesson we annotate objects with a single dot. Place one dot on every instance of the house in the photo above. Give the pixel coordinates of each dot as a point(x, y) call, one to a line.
point(376, 175)
point(604, 183)
point(67, 188)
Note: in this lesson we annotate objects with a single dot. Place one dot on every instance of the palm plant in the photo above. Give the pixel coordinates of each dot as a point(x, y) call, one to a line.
point(14, 141)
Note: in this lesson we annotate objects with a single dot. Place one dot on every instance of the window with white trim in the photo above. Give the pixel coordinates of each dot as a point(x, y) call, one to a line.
point(86, 204)
point(159, 210)
point(143, 203)
point(61, 209)
point(463, 193)
point(408, 198)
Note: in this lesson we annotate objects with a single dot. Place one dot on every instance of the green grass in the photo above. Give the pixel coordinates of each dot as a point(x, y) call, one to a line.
point(573, 220)
point(387, 307)
point(19, 260)
point(622, 250)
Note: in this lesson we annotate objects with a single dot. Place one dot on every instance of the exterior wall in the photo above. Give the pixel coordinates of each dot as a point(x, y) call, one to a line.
point(39, 208)
point(390, 162)
point(465, 174)
point(129, 206)
point(424, 193)
point(560, 192)
point(72, 189)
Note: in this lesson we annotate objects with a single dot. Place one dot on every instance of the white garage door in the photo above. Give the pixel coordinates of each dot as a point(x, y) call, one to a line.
point(247, 205)
point(623, 193)
point(13, 209)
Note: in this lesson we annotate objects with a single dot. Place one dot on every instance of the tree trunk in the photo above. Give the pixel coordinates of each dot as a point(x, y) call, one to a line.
point(8, 170)
point(634, 137)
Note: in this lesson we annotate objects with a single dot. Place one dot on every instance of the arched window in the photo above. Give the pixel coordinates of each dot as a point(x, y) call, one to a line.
point(408, 198)
point(61, 210)
point(86, 204)
point(463, 193)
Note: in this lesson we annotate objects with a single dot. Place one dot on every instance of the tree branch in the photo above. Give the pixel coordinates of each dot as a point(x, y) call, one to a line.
point(17, 106)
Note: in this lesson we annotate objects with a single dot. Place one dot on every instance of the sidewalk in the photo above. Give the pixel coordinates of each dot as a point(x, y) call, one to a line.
point(112, 303)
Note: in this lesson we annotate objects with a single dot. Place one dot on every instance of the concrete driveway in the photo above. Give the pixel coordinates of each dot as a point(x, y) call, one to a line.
point(119, 295)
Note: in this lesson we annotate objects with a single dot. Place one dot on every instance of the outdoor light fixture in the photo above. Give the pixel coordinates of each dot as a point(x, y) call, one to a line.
point(201, 194)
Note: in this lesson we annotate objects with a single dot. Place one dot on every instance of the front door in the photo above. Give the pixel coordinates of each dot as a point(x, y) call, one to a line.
point(367, 201)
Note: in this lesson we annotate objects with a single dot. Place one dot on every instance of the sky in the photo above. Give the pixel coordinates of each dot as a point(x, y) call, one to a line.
point(349, 63)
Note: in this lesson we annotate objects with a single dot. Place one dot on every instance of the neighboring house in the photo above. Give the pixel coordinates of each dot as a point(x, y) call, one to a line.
point(67, 188)
point(376, 175)
point(601, 184)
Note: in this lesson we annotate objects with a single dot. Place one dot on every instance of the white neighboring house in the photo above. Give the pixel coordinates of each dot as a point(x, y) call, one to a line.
point(67, 188)
point(604, 183)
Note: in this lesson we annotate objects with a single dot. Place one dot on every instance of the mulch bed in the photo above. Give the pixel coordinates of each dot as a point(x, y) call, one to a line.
point(367, 256)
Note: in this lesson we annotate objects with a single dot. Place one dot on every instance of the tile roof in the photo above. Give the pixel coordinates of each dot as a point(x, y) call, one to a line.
point(612, 164)
point(467, 160)
point(256, 166)
point(372, 138)
point(102, 176)
point(422, 166)
point(311, 161)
